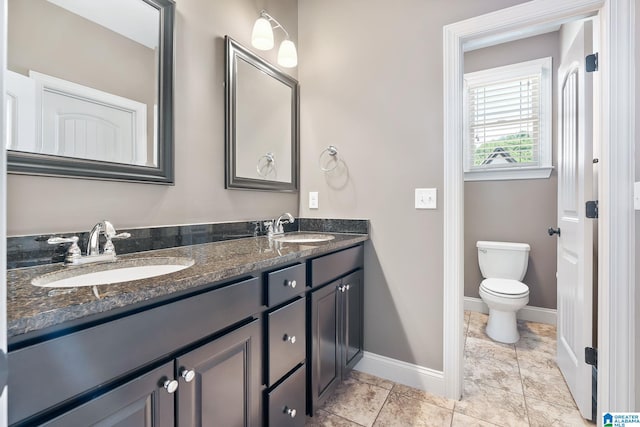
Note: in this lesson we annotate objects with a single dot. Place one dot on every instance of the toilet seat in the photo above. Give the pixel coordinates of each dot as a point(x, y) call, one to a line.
point(504, 288)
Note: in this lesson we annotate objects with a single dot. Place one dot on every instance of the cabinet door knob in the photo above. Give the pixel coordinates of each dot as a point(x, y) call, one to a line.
point(290, 411)
point(341, 288)
point(347, 287)
point(290, 338)
point(170, 385)
point(188, 374)
point(291, 284)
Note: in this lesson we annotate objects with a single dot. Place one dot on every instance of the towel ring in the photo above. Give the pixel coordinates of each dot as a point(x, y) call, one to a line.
point(268, 164)
point(332, 151)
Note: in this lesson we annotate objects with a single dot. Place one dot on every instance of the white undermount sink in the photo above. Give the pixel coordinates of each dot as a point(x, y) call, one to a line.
point(112, 273)
point(303, 238)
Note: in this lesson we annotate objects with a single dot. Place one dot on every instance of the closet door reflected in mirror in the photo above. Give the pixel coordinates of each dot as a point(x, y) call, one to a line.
point(89, 89)
point(261, 123)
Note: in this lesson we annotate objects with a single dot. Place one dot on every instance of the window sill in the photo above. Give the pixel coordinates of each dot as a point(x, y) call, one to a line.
point(508, 174)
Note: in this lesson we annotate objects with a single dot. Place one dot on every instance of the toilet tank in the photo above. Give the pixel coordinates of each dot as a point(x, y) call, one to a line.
point(503, 260)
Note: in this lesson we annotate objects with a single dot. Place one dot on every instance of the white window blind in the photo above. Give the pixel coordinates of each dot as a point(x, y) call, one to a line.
point(508, 118)
point(504, 123)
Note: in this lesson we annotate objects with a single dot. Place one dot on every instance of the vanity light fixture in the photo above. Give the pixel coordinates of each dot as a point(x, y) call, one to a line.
point(262, 39)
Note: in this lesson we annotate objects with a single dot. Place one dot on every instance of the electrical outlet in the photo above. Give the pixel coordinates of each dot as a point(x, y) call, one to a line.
point(426, 198)
point(313, 200)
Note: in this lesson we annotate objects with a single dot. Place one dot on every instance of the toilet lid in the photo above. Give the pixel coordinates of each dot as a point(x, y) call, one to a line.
point(505, 286)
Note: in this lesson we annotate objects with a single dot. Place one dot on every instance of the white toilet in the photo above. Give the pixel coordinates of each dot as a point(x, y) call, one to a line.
point(503, 265)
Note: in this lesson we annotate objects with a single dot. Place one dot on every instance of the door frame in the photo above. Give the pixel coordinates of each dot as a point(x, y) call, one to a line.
point(616, 227)
point(3, 205)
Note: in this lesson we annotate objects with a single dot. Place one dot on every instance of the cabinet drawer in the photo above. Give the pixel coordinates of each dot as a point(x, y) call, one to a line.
point(329, 267)
point(285, 284)
point(287, 342)
point(286, 402)
point(84, 360)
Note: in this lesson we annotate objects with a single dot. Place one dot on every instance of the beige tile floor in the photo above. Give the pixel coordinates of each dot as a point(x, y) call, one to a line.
point(504, 385)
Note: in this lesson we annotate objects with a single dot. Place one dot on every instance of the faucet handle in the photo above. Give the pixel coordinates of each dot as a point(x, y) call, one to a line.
point(269, 225)
point(109, 248)
point(121, 236)
point(73, 253)
point(108, 229)
point(59, 240)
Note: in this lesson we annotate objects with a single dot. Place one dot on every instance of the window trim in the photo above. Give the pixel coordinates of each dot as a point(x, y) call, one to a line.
point(494, 75)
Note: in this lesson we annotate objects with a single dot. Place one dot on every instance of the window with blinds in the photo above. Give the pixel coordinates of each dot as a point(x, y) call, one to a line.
point(508, 124)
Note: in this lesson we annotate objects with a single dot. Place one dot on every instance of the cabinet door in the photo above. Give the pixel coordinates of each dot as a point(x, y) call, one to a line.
point(352, 312)
point(225, 389)
point(142, 402)
point(325, 349)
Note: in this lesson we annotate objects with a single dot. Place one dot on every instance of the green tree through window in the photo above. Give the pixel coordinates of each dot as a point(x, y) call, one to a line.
point(518, 147)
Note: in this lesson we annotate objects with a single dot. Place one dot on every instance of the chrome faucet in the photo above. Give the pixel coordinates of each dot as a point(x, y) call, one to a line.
point(93, 242)
point(74, 256)
point(274, 228)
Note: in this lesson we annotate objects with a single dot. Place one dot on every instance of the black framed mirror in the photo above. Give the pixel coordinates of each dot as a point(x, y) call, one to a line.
point(262, 116)
point(90, 89)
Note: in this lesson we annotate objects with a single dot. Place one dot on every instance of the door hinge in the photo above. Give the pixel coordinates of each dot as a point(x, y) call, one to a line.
point(592, 209)
point(591, 356)
point(591, 63)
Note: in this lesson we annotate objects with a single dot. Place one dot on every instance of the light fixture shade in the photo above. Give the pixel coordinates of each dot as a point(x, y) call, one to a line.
point(287, 54)
point(262, 34)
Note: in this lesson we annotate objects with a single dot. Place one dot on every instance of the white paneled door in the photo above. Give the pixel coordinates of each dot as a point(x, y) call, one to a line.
point(575, 187)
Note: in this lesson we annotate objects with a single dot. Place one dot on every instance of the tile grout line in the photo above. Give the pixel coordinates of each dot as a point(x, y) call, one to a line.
point(514, 348)
point(343, 418)
point(386, 399)
point(340, 416)
point(524, 397)
point(346, 419)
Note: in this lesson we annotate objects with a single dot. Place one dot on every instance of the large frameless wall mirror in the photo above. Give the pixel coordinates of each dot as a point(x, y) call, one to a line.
point(90, 89)
point(261, 123)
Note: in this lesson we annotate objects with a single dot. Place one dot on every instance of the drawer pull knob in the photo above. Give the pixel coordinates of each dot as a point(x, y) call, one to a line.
point(171, 386)
point(290, 338)
point(291, 284)
point(188, 374)
point(290, 411)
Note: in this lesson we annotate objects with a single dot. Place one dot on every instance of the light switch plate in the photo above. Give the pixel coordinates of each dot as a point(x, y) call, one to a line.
point(636, 196)
point(313, 200)
point(426, 198)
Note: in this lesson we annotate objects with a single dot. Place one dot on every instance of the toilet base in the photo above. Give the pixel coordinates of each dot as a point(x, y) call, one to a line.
point(502, 326)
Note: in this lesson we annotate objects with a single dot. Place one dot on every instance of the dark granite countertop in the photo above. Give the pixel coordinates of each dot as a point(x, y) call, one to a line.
point(31, 308)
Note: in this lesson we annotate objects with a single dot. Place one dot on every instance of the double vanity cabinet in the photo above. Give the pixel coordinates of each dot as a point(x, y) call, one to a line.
point(265, 348)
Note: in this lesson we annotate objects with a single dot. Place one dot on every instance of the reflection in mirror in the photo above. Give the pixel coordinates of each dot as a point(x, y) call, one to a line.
point(262, 123)
point(89, 88)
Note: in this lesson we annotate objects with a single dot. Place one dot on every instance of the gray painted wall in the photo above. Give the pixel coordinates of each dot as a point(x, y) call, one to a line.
point(516, 210)
point(371, 74)
point(44, 204)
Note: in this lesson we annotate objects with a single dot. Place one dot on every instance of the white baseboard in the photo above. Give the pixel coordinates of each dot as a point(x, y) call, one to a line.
point(528, 313)
point(402, 372)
